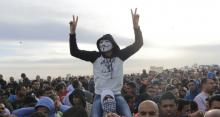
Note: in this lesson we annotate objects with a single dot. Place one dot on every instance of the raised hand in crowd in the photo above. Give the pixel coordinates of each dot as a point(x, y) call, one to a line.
point(73, 24)
point(135, 18)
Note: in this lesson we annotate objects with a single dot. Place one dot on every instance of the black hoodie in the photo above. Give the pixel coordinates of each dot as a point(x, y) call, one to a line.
point(108, 72)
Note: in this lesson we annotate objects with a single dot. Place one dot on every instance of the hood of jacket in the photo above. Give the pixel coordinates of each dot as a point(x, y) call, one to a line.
point(191, 95)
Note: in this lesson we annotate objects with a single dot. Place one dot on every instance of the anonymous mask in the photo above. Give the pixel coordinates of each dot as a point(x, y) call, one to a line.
point(105, 45)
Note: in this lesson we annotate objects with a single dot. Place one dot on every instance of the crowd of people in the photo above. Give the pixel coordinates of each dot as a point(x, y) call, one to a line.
point(170, 93)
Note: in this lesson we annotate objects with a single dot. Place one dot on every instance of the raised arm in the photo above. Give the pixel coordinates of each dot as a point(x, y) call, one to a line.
point(133, 48)
point(74, 50)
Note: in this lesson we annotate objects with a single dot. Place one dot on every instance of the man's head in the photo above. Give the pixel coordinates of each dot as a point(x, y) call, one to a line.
point(11, 79)
point(77, 98)
point(23, 75)
point(21, 91)
point(173, 89)
point(38, 78)
point(148, 108)
point(168, 105)
point(49, 78)
point(151, 91)
point(131, 88)
point(192, 85)
point(35, 84)
point(214, 102)
point(208, 85)
point(213, 113)
point(2, 107)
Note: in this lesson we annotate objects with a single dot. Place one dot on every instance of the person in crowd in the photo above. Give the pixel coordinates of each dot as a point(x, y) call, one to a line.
point(173, 89)
point(38, 114)
point(45, 105)
point(213, 102)
point(193, 90)
point(49, 92)
point(38, 78)
point(148, 108)
point(21, 99)
point(2, 82)
point(12, 85)
point(61, 90)
point(182, 92)
point(35, 89)
point(183, 107)
point(207, 85)
point(91, 85)
point(3, 110)
point(25, 80)
point(4, 100)
point(108, 102)
point(107, 64)
point(144, 74)
point(168, 105)
point(144, 82)
point(75, 111)
point(76, 98)
point(149, 94)
point(130, 88)
point(131, 100)
point(212, 113)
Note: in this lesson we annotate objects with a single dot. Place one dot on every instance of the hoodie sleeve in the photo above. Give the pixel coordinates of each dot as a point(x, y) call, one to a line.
point(81, 54)
point(133, 48)
point(24, 112)
point(63, 108)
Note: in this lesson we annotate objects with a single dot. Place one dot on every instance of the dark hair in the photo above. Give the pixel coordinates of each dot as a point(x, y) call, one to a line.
point(75, 111)
point(23, 75)
point(193, 106)
point(213, 98)
point(191, 81)
point(128, 97)
point(38, 114)
point(182, 103)
point(204, 81)
point(170, 87)
point(149, 87)
point(19, 87)
point(167, 96)
point(132, 84)
point(75, 84)
point(77, 93)
point(33, 81)
point(59, 86)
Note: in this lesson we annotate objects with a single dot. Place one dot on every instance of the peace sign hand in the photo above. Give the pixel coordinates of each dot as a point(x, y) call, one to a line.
point(73, 24)
point(135, 18)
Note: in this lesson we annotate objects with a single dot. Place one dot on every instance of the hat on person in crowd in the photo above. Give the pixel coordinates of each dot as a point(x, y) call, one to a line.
point(108, 101)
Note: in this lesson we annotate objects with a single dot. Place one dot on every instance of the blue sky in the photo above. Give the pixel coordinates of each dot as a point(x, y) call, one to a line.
point(34, 33)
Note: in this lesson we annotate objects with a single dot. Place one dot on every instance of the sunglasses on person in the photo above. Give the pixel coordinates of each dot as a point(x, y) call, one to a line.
point(151, 113)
